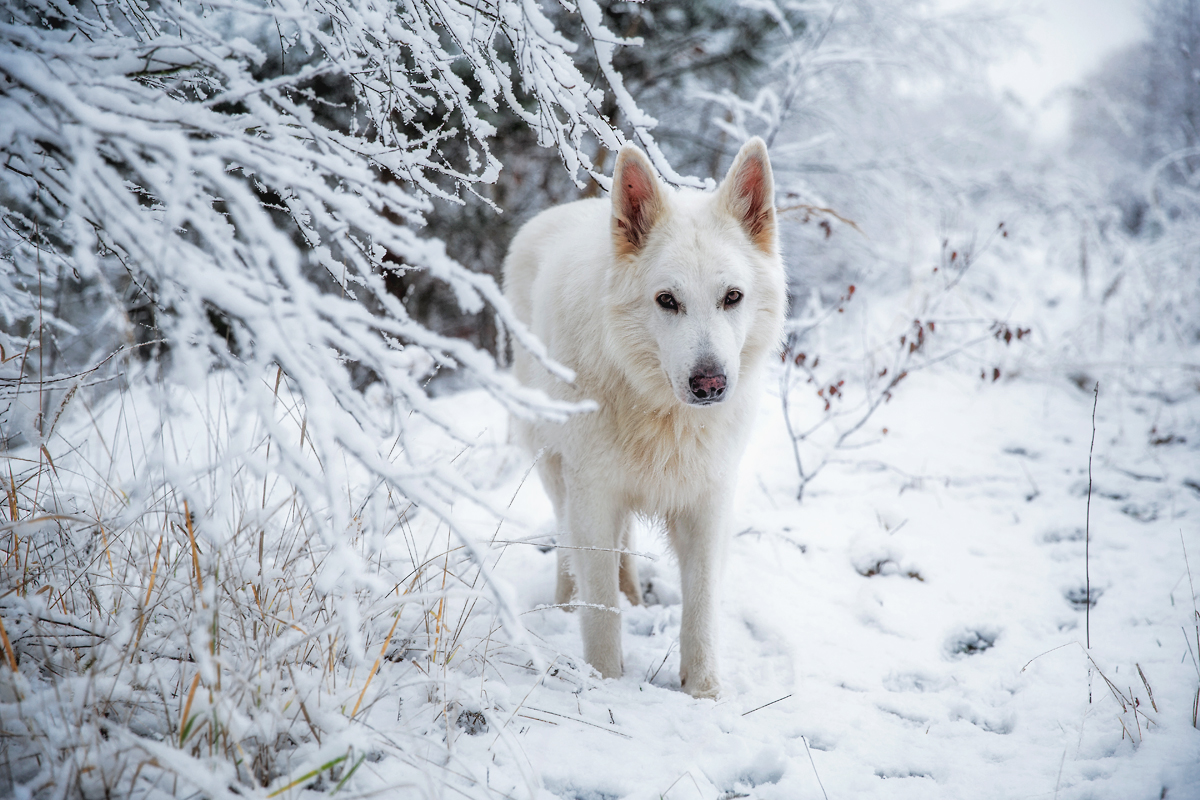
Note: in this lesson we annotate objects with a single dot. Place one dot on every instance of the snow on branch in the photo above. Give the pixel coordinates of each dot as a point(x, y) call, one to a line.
point(267, 164)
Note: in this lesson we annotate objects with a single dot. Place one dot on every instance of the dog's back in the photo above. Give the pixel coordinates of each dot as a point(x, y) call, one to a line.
point(553, 277)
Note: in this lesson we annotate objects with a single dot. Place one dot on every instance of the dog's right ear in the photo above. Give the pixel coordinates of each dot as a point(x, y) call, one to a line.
point(637, 199)
point(748, 194)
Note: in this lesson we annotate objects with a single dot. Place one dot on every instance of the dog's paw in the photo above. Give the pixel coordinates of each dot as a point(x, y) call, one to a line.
point(706, 687)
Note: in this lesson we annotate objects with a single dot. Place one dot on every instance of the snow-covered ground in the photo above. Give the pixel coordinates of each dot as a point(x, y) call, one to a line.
point(914, 629)
point(229, 570)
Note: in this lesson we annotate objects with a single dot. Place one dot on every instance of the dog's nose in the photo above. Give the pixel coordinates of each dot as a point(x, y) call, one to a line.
point(707, 384)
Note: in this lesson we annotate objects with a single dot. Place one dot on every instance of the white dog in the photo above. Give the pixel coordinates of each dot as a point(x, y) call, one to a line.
point(666, 304)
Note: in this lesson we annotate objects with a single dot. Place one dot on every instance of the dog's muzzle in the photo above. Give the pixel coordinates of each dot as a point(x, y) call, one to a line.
point(707, 385)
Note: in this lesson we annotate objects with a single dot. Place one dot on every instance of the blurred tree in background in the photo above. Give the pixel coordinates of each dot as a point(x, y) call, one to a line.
point(1136, 143)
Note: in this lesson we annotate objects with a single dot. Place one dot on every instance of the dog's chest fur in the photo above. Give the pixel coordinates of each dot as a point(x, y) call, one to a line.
point(669, 456)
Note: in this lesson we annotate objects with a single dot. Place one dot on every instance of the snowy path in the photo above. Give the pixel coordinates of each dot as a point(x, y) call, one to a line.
point(894, 611)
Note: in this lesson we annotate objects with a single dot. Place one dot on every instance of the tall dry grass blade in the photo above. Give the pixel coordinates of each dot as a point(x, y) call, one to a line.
point(23, 588)
point(187, 515)
point(146, 603)
point(183, 720)
point(62, 406)
point(303, 709)
point(1130, 703)
point(11, 491)
point(12, 516)
point(50, 460)
point(442, 599)
point(8, 651)
point(46, 518)
point(274, 400)
point(1146, 683)
point(375, 666)
point(104, 539)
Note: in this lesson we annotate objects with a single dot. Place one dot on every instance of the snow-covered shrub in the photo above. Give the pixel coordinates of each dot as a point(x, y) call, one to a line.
point(194, 590)
point(177, 623)
point(882, 131)
point(892, 162)
point(1136, 150)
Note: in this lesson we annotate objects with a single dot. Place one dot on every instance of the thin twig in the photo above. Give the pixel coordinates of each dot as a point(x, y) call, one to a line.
point(583, 721)
point(1048, 652)
point(1087, 530)
point(548, 606)
point(814, 766)
point(764, 705)
point(1188, 642)
point(663, 663)
point(622, 551)
point(807, 209)
point(1195, 613)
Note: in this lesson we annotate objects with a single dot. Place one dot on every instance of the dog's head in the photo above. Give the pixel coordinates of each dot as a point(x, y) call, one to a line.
point(697, 284)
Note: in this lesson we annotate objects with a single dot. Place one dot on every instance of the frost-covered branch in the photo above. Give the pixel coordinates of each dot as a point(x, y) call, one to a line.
point(254, 175)
point(273, 190)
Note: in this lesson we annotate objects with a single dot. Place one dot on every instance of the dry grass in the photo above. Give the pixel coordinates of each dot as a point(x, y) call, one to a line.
point(178, 621)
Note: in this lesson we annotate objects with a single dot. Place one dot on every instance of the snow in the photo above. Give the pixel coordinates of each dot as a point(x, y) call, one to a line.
point(915, 628)
point(895, 635)
point(1067, 39)
point(266, 563)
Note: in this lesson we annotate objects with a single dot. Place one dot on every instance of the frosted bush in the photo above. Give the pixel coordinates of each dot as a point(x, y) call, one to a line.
point(202, 205)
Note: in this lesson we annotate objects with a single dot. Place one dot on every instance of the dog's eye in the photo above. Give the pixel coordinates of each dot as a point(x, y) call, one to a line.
point(667, 301)
point(732, 298)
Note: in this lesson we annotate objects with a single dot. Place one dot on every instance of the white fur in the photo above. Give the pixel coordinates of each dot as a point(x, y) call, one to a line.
point(590, 292)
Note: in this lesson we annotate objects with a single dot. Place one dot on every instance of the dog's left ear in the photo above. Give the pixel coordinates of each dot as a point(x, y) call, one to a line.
point(748, 194)
point(637, 200)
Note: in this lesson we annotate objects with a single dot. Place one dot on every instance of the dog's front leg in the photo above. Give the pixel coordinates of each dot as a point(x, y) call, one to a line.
point(698, 536)
point(596, 521)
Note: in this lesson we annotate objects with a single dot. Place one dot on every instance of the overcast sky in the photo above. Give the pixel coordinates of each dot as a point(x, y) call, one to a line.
point(1070, 38)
